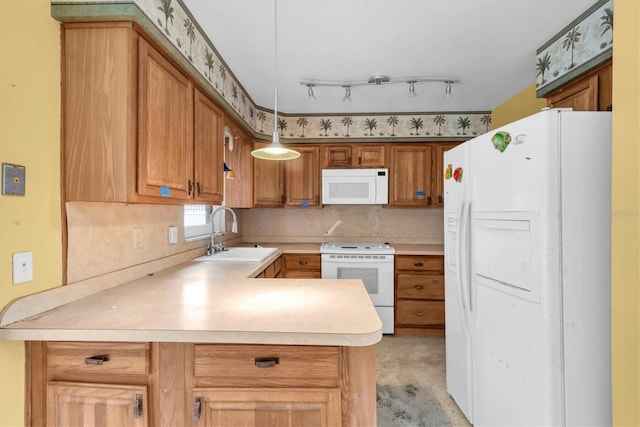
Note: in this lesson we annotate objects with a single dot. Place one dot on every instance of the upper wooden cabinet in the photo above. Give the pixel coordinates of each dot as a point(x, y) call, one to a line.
point(238, 192)
point(268, 181)
point(302, 178)
point(590, 92)
point(410, 175)
point(353, 156)
point(208, 149)
point(135, 128)
point(438, 166)
point(165, 127)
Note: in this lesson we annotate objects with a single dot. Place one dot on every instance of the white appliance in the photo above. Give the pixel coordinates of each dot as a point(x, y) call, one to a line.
point(355, 186)
point(527, 272)
point(373, 264)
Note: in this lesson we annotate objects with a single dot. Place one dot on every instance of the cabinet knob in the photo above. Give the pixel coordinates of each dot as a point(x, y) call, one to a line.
point(349, 161)
point(189, 187)
point(429, 201)
point(359, 160)
point(439, 200)
point(302, 262)
point(419, 314)
point(419, 287)
point(199, 188)
point(96, 360)
point(418, 264)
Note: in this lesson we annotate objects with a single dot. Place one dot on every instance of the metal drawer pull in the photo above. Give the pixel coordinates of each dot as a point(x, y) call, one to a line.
point(302, 262)
point(138, 411)
point(196, 414)
point(419, 314)
point(267, 362)
point(96, 360)
point(419, 287)
point(419, 264)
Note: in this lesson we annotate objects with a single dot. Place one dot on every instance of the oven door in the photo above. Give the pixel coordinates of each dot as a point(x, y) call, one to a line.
point(375, 271)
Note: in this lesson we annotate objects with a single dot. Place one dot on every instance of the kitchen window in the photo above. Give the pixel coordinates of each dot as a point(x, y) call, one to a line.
point(196, 221)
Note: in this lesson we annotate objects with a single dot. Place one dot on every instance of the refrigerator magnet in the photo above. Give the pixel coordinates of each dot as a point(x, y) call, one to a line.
point(448, 172)
point(501, 140)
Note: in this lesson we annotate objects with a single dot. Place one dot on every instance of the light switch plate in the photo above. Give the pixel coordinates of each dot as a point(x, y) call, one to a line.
point(13, 179)
point(22, 267)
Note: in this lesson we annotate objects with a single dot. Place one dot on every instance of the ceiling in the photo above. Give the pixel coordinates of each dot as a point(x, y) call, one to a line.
point(489, 45)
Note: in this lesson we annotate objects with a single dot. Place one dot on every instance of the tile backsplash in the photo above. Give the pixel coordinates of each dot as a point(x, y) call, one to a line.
point(344, 222)
point(101, 241)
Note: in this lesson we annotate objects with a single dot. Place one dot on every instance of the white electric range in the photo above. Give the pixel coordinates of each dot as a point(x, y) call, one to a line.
point(370, 262)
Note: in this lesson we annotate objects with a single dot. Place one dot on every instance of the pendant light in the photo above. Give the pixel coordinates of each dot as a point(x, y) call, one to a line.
point(275, 151)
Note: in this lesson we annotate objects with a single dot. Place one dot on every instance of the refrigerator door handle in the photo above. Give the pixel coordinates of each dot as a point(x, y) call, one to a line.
point(467, 261)
point(463, 256)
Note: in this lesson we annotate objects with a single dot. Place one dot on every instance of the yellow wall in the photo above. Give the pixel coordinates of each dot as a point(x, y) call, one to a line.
point(625, 221)
point(29, 136)
point(521, 105)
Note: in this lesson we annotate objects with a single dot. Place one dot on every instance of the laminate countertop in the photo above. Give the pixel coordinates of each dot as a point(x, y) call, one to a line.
point(202, 301)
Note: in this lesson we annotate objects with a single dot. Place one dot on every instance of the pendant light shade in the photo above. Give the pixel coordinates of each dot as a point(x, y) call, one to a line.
point(275, 151)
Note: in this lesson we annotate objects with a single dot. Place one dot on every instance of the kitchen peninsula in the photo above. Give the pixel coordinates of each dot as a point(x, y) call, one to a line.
point(199, 342)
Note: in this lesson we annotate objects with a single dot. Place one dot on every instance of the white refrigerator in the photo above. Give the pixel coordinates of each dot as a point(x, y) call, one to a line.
point(527, 272)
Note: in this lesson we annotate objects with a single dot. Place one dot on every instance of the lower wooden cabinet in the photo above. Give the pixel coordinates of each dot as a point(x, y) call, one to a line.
point(76, 404)
point(191, 384)
point(308, 391)
point(273, 270)
point(266, 407)
point(302, 266)
point(420, 295)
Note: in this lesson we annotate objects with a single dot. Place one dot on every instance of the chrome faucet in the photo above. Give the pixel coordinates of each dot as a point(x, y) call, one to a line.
point(213, 247)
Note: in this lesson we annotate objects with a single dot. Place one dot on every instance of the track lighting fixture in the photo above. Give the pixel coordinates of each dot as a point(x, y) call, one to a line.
point(378, 80)
point(310, 91)
point(447, 89)
point(412, 88)
point(347, 93)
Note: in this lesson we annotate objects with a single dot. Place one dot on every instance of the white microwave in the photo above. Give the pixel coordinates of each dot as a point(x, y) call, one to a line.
point(355, 186)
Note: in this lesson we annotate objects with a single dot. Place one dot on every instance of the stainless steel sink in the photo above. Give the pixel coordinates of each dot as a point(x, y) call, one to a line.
point(239, 255)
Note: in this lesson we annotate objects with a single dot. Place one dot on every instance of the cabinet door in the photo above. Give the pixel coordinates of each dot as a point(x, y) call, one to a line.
point(208, 135)
point(238, 192)
point(268, 181)
point(410, 183)
point(165, 127)
point(438, 159)
point(80, 404)
point(98, 115)
point(581, 96)
point(266, 407)
point(303, 178)
point(590, 92)
point(370, 156)
point(336, 156)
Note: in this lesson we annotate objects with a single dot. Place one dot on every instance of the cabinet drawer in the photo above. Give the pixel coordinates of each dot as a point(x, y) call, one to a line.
point(420, 263)
point(420, 313)
point(85, 357)
point(303, 274)
point(420, 286)
point(237, 361)
point(302, 261)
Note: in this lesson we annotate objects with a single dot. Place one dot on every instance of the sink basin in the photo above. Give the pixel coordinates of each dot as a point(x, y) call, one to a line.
point(239, 254)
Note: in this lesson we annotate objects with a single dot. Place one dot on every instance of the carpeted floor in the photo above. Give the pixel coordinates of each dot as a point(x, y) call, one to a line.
point(411, 387)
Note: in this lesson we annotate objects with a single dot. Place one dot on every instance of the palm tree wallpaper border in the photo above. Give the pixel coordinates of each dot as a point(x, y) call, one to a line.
point(581, 45)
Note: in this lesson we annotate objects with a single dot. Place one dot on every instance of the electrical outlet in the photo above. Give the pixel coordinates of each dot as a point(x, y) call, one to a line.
point(137, 237)
point(173, 235)
point(22, 267)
